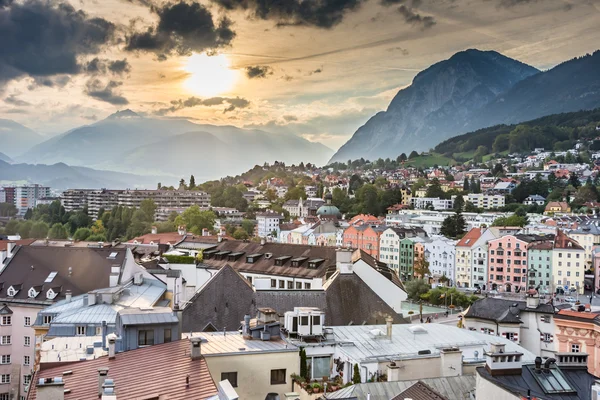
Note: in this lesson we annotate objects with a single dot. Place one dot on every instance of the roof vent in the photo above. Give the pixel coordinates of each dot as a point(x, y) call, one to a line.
point(268, 255)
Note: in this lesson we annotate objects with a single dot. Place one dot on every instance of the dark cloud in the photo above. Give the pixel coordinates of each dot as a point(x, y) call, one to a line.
point(231, 102)
point(182, 28)
point(15, 101)
point(258, 71)
point(106, 92)
point(415, 18)
point(512, 3)
point(119, 67)
point(318, 13)
point(45, 38)
point(98, 66)
point(404, 52)
point(316, 71)
point(290, 118)
point(59, 81)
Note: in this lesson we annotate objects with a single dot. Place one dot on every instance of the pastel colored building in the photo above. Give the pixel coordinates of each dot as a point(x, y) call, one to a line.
point(568, 262)
point(364, 237)
point(507, 268)
point(579, 332)
point(587, 236)
point(397, 253)
point(464, 257)
point(540, 265)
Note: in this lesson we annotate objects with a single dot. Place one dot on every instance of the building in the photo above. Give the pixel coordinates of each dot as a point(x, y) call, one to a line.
point(267, 224)
point(508, 375)
point(174, 370)
point(587, 235)
point(529, 323)
point(35, 277)
point(568, 263)
point(464, 257)
point(364, 237)
point(166, 200)
point(507, 258)
point(555, 207)
point(540, 265)
point(504, 187)
point(254, 363)
point(239, 277)
point(434, 203)
point(303, 208)
point(577, 332)
point(534, 199)
point(440, 252)
point(390, 247)
point(486, 201)
point(25, 197)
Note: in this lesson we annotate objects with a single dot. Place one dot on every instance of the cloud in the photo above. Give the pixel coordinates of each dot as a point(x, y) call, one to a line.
point(182, 28)
point(15, 101)
point(46, 38)
point(119, 67)
point(106, 92)
point(231, 102)
point(59, 81)
point(90, 117)
point(406, 9)
point(258, 71)
point(290, 118)
point(404, 52)
point(98, 66)
point(316, 71)
point(318, 13)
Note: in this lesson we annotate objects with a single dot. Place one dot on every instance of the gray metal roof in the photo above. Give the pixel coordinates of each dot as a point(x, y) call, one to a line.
point(218, 344)
point(159, 315)
point(454, 388)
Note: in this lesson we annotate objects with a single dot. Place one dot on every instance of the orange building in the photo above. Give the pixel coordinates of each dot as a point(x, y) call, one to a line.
point(364, 237)
point(579, 332)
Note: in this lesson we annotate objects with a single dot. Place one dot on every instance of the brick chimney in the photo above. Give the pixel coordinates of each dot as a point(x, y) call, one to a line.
point(195, 348)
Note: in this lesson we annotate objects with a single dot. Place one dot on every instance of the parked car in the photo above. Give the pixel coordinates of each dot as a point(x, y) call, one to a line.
point(570, 299)
point(493, 292)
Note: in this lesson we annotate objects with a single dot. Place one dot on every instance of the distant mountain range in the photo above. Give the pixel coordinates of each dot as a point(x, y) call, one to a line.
point(126, 141)
point(61, 176)
point(16, 138)
point(5, 158)
point(471, 90)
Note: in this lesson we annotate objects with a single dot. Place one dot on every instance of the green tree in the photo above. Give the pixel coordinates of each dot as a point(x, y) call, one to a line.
point(304, 365)
point(82, 234)
point(413, 154)
point(421, 267)
point(148, 207)
point(139, 225)
point(8, 210)
point(97, 238)
point(11, 227)
point(270, 195)
point(28, 214)
point(58, 231)
point(356, 376)
point(466, 184)
point(192, 182)
point(513, 220)
point(435, 189)
point(240, 234)
point(195, 219)
point(165, 226)
point(39, 230)
point(248, 226)
point(459, 203)
point(368, 199)
point(415, 288)
point(470, 207)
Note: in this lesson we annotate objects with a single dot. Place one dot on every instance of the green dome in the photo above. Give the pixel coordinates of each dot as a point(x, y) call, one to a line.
point(329, 209)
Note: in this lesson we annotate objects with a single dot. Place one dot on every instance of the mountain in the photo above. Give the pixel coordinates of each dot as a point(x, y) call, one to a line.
point(126, 141)
point(217, 151)
point(436, 105)
point(571, 86)
point(5, 158)
point(16, 138)
point(62, 176)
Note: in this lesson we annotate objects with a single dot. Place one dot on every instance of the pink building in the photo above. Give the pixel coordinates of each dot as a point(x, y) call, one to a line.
point(579, 332)
point(507, 266)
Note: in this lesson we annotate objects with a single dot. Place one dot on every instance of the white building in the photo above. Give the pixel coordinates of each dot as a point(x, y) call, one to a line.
point(486, 201)
point(431, 202)
point(534, 199)
point(27, 197)
point(268, 224)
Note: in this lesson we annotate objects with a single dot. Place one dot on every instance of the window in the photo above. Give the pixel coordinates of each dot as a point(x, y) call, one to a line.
point(167, 335)
point(320, 367)
point(26, 360)
point(47, 319)
point(273, 283)
point(27, 321)
point(304, 320)
point(6, 320)
point(307, 286)
point(487, 331)
point(281, 284)
point(27, 340)
point(511, 336)
point(81, 330)
point(298, 285)
point(6, 396)
point(26, 379)
point(575, 348)
point(316, 320)
point(278, 376)
point(231, 377)
point(146, 338)
point(5, 359)
point(5, 378)
point(547, 337)
point(290, 285)
point(98, 331)
point(545, 318)
point(5, 340)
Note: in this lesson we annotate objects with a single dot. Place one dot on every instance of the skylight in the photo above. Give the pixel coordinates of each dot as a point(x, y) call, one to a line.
point(51, 277)
point(113, 255)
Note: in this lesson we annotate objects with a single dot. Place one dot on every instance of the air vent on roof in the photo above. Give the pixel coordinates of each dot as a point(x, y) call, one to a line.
point(268, 255)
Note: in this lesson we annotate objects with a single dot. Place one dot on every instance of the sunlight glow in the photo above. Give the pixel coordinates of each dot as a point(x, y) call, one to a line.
point(209, 75)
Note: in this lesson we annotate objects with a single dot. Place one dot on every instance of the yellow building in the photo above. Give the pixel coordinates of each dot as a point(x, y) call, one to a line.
point(587, 236)
point(568, 263)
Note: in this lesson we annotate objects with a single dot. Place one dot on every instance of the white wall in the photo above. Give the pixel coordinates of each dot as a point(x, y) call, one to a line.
point(386, 289)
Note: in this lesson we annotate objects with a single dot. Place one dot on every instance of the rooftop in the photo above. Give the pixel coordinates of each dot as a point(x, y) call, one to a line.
point(501, 310)
point(149, 372)
point(229, 343)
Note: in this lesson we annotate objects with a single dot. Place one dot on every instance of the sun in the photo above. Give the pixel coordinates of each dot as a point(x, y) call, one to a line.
point(209, 75)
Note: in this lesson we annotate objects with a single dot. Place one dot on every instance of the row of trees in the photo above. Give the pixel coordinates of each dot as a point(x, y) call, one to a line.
point(420, 290)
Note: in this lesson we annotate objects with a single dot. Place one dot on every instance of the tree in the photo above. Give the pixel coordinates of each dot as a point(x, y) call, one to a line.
point(82, 234)
point(453, 226)
point(470, 207)
point(139, 225)
point(402, 157)
point(435, 189)
point(459, 203)
point(498, 170)
point(413, 154)
point(466, 184)
point(415, 288)
point(148, 207)
point(304, 365)
point(421, 267)
point(28, 214)
point(295, 193)
point(192, 184)
point(270, 195)
point(39, 230)
point(58, 231)
point(195, 219)
point(8, 210)
point(368, 200)
point(248, 226)
point(513, 220)
point(356, 376)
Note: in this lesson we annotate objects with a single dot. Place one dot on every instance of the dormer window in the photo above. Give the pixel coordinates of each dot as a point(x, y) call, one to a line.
point(50, 294)
point(12, 292)
point(32, 293)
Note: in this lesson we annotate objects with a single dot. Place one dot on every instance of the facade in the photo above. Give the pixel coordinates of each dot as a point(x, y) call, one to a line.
point(587, 235)
point(554, 207)
point(441, 254)
point(464, 257)
point(540, 266)
point(568, 263)
point(486, 201)
point(579, 332)
point(25, 197)
point(267, 224)
point(303, 208)
point(436, 203)
point(391, 249)
point(364, 237)
point(165, 200)
point(534, 199)
point(479, 259)
point(507, 258)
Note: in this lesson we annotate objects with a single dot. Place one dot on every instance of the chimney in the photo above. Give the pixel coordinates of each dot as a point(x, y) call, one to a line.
point(104, 333)
point(262, 241)
point(50, 389)
point(533, 301)
point(393, 372)
point(452, 361)
point(181, 230)
point(388, 323)
point(205, 232)
point(195, 348)
point(500, 362)
point(343, 261)
point(10, 246)
point(102, 375)
point(108, 390)
point(154, 230)
point(112, 345)
point(68, 296)
point(246, 327)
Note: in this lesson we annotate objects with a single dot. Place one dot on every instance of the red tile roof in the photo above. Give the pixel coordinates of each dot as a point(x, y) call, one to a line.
point(158, 238)
point(148, 372)
point(470, 238)
point(562, 241)
point(23, 242)
point(577, 314)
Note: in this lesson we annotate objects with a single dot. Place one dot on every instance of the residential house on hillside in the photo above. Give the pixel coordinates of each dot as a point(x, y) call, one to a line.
point(534, 199)
point(486, 201)
point(35, 277)
point(555, 207)
point(282, 277)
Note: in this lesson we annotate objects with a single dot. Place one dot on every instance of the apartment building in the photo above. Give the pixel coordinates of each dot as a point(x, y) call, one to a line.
point(464, 257)
point(431, 202)
point(486, 201)
point(540, 265)
point(364, 237)
point(568, 262)
point(397, 251)
point(165, 200)
point(440, 252)
point(267, 224)
point(507, 257)
point(24, 197)
point(587, 235)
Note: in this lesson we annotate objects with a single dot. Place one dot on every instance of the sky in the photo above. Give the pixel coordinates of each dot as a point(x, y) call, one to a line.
point(315, 68)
